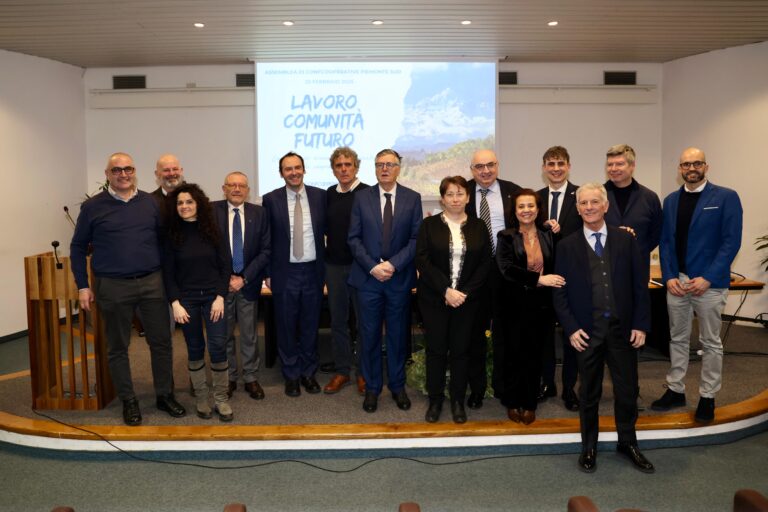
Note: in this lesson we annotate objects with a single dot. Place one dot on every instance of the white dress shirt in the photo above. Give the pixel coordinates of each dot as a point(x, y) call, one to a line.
point(309, 234)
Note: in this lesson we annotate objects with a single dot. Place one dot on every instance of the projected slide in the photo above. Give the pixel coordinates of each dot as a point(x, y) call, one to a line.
point(435, 114)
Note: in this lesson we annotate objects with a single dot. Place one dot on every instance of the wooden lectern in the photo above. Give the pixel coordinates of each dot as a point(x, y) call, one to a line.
point(68, 361)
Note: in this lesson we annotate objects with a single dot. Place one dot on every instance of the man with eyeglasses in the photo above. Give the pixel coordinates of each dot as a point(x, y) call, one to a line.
point(490, 199)
point(245, 227)
point(384, 225)
point(338, 263)
point(700, 238)
point(559, 204)
point(122, 224)
point(296, 272)
point(632, 206)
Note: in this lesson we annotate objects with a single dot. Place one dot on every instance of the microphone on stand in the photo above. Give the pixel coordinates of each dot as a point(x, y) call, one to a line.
point(69, 217)
point(55, 245)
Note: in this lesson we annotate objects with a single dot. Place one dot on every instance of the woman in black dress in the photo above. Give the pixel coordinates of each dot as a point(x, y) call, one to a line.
point(196, 282)
point(453, 256)
point(525, 255)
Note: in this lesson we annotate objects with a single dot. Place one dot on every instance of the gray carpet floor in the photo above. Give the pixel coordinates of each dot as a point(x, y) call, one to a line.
point(744, 376)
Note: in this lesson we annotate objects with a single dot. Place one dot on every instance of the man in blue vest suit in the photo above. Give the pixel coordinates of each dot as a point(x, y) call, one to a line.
point(296, 215)
point(700, 238)
point(382, 236)
point(604, 309)
point(245, 228)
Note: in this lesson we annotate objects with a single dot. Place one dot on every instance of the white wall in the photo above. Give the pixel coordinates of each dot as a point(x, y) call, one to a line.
point(42, 162)
point(718, 101)
point(209, 141)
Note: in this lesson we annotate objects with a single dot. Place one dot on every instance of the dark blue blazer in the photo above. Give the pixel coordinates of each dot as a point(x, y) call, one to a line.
point(714, 236)
point(573, 302)
point(570, 220)
point(643, 214)
point(257, 246)
point(365, 230)
point(276, 204)
point(507, 188)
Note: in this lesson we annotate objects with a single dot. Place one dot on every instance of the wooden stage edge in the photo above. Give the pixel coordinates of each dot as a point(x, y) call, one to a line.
point(751, 408)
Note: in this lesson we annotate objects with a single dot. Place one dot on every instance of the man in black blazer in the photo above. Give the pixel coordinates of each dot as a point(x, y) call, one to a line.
point(169, 174)
point(486, 189)
point(604, 309)
point(559, 203)
point(296, 214)
point(245, 228)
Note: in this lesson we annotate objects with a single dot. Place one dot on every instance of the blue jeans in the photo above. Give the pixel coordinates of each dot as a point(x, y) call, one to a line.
point(199, 311)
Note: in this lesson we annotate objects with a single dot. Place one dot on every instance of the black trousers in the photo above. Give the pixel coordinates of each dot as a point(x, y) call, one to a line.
point(448, 335)
point(491, 315)
point(529, 330)
point(608, 346)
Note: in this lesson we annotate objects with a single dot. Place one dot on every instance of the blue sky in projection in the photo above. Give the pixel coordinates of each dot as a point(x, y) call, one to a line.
point(448, 103)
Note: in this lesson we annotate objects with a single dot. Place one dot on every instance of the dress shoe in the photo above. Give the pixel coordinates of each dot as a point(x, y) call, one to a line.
point(254, 390)
point(337, 382)
point(458, 412)
point(515, 415)
point(633, 454)
point(232, 387)
point(528, 417)
point(546, 391)
point(475, 401)
point(169, 404)
point(292, 388)
point(360, 385)
point(570, 400)
point(669, 400)
point(402, 400)
point(327, 368)
point(588, 461)
point(310, 384)
point(371, 401)
point(131, 412)
point(705, 411)
point(434, 410)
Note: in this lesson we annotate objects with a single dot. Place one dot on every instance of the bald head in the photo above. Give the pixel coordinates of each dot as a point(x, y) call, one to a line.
point(693, 167)
point(169, 173)
point(484, 167)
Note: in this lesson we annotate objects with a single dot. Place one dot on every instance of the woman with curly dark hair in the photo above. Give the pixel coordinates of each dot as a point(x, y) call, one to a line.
point(196, 282)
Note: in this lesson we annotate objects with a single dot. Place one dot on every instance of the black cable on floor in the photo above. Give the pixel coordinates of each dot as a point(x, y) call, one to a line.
point(273, 462)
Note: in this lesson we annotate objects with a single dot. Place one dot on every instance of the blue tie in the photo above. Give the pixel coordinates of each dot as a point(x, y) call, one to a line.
point(598, 244)
point(237, 243)
point(553, 207)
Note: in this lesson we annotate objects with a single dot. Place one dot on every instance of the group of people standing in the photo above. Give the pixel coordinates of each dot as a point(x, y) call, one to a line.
point(498, 257)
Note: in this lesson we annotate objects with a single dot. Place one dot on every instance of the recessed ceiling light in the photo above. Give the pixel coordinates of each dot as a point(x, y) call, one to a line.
point(466, 22)
point(552, 23)
point(199, 25)
point(377, 22)
point(288, 23)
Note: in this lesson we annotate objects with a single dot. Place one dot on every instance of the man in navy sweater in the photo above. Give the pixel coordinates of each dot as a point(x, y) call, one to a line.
point(700, 238)
point(122, 224)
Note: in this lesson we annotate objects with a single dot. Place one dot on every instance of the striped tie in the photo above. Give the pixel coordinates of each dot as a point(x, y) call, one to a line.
point(485, 215)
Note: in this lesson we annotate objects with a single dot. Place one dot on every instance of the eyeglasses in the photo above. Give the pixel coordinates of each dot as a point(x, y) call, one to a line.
point(386, 165)
point(490, 165)
point(128, 170)
point(698, 165)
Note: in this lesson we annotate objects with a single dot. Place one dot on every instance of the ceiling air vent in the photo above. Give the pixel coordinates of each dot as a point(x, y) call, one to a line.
point(245, 80)
point(507, 77)
point(620, 78)
point(129, 82)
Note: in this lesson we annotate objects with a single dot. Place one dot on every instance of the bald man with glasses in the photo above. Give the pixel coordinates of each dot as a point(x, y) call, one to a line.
point(490, 199)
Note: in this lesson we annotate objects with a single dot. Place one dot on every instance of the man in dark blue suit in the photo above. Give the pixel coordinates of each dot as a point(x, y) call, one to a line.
point(605, 311)
point(244, 225)
point(559, 204)
point(382, 236)
point(296, 215)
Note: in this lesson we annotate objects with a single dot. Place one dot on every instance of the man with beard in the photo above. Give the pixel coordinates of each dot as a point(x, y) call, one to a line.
point(700, 237)
point(169, 174)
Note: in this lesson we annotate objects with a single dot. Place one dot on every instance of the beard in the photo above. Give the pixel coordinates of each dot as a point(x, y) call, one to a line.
point(693, 176)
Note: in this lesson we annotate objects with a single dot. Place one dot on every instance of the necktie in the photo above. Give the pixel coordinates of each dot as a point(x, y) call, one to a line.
point(598, 244)
point(298, 229)
point(237, 243)
point(553, 206)
point(485, 215)
point(386, 232)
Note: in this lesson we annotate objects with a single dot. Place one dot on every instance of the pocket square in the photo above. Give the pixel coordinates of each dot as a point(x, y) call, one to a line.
point(710, 208)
